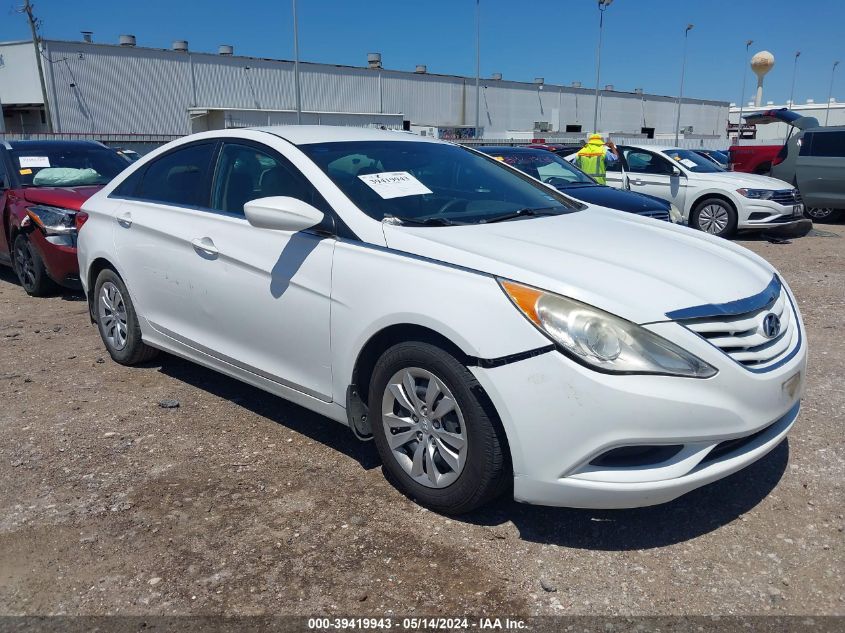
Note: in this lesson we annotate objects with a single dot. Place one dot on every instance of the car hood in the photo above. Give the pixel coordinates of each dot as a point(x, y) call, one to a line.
point(64, 197)
point(631, 266)
point(611, 198)
point(737, 179)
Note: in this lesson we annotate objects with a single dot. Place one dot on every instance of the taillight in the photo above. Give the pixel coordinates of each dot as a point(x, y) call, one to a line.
point(80, 219)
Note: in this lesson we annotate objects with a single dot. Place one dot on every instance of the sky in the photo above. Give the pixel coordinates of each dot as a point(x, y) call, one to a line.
point(522, 39)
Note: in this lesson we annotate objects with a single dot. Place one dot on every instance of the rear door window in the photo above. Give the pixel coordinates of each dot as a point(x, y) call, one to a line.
point(828, 144)
point(179, 177)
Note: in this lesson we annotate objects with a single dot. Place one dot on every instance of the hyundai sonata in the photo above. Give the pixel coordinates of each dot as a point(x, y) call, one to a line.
point(478, 324)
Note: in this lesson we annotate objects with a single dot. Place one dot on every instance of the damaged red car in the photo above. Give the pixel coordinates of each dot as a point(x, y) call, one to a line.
point(42, 187)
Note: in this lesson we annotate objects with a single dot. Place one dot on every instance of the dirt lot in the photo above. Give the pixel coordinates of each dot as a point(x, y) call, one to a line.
point(237, 502)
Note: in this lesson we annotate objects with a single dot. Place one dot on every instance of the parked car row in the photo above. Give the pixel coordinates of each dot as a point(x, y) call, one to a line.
point(483, 326)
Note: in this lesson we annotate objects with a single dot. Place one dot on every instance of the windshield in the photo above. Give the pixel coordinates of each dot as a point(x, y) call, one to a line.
point(416, 181)
point(66, 165)
point(545, 166)
point(692, 161)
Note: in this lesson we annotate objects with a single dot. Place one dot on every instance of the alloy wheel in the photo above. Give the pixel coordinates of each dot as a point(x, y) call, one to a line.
point(25, 264)
point(111, 312)
point(424, 427)
point(713, 218)
point(820, 213)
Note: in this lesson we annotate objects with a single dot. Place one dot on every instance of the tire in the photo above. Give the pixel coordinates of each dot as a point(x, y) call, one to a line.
point(117, 320)
point(821, 214)
point(714, 216)
point(468, 435)
point(30, 268)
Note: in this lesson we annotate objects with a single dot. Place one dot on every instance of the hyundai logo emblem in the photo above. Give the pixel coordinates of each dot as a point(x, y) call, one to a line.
point(771, 325)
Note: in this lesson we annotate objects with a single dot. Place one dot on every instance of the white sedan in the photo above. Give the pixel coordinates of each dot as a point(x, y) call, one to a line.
point(484, 329)
point(713, 200)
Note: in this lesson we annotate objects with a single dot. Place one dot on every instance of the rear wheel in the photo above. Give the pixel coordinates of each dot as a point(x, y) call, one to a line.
point(118, 321)
point(821, 214)
point(438, 443)
point(714, 216)
point(30, 268)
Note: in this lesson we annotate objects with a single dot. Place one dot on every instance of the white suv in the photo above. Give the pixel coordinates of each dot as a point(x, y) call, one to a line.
point(713, 200)
point(483, 328)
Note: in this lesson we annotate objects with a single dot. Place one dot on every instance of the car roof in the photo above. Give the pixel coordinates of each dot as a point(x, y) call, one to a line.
point(47, 145)
point(307, 134)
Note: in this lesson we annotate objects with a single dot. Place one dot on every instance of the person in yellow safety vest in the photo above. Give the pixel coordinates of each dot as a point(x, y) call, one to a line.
point(593, 158)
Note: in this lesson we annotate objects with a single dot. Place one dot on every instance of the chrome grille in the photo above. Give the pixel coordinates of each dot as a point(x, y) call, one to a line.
point(740, 333)
point(657, 214)
point(786, 196)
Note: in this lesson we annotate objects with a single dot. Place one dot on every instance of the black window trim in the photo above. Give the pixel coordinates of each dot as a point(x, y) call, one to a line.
point(332, 225)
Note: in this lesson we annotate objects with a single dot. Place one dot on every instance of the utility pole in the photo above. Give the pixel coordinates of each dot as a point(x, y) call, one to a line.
point(681, 92)
point(830, 92)
point(603, 4)
point(477, 67)
point(794, 73)
point(296, 66)
point(748, 44)
point(33, 27)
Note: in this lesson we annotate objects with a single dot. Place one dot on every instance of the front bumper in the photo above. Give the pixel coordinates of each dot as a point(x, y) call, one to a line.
point(60, 261)
point(560, 416)
point(785, 220)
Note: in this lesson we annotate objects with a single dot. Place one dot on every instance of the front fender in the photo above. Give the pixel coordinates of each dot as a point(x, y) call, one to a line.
point(374, 288)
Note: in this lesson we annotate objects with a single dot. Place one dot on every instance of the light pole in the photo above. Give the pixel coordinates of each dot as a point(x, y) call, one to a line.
point(296, 67)
point(794, 73)
point(603, 4)
point(681, 92)
point(748, 44)
point(477, 66)
point(830, 92)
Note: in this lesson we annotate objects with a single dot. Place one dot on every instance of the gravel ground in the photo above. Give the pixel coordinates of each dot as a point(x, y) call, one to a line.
point(237, 502)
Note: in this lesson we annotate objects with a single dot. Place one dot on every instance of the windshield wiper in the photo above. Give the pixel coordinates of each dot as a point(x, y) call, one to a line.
point(432, 221)
point(522, 213)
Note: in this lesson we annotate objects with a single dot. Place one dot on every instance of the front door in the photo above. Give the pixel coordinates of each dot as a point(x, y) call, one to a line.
point(649, 172)
point(265, 294)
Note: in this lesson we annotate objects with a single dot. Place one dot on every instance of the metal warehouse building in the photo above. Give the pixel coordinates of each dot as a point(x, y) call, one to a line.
point(103, 89)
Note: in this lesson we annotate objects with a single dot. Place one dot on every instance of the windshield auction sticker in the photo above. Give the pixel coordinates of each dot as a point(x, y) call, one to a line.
point(395, 184)
point(34, 161)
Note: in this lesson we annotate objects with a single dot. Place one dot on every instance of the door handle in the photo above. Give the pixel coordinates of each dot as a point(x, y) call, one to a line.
point(639, 183)
point(125, 220)
point(205, 245)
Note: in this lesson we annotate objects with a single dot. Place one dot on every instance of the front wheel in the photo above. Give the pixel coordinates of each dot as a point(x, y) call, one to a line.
point(439, 443)
point(821, 214)
point(118, 321)
point(714, 216)
point(30, 268)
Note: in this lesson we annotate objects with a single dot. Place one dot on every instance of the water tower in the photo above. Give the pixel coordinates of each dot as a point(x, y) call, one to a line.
point(761, 63)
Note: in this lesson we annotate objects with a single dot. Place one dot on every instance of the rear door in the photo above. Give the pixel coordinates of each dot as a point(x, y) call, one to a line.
point(820, 168)
point(154, 229)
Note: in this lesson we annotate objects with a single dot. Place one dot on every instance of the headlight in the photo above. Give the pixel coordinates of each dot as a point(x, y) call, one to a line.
point(53, 220)
point(675, 215)
point(756, 194)
point(600, 340)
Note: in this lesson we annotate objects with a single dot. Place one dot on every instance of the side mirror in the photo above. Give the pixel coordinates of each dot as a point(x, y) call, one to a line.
point(282, 213)
point(676, 171)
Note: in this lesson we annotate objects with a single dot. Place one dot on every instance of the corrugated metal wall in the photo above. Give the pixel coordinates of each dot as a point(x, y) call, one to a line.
point(104, 88)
